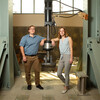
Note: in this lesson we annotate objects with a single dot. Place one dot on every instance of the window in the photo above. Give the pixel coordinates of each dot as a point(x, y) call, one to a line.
point(57, 7)
point(66, 8)
point(16, 6)
point(27, 6)
point(37, 6)
point(78, 4)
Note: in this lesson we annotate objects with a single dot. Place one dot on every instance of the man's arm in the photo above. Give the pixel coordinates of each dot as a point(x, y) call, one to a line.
point(22, 52)
point(42, 42)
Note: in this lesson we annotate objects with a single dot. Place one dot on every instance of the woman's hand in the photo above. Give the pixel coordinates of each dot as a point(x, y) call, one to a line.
point(53, 42)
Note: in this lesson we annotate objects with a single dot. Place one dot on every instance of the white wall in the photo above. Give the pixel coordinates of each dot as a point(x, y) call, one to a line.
point(38, 20)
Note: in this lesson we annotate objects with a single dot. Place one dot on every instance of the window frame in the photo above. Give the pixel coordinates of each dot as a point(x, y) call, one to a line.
point(43, 13)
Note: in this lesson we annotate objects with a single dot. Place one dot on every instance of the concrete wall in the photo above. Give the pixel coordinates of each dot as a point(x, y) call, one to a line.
point(38, 20)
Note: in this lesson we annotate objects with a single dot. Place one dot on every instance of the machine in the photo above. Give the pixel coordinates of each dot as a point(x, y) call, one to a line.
point(48, 23)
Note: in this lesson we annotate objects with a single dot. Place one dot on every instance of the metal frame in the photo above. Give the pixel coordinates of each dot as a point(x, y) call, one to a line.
point(93, 51)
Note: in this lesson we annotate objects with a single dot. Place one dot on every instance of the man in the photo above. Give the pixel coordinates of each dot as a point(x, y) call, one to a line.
point(29, 45)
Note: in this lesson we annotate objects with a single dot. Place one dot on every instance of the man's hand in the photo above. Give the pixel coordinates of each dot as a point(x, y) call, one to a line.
point(24, 58)
point(42, 42)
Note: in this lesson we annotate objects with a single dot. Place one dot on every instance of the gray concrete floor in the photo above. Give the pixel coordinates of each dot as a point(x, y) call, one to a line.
point(52, 89)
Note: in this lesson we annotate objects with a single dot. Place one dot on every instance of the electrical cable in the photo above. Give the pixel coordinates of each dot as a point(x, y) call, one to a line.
point(67, 16)
point(65, 11)
point(53, 30)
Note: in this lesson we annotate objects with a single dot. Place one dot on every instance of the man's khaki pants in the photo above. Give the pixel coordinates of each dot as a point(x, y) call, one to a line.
point(32, 62)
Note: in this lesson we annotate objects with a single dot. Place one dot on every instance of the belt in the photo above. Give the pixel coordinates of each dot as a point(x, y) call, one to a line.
point(31, 55)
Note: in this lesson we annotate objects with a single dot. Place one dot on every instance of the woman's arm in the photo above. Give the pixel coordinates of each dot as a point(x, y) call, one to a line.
point(71, 49)
point(54, 40)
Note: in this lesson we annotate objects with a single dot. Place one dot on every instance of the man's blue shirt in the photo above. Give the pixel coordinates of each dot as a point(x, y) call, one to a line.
point(31, 44)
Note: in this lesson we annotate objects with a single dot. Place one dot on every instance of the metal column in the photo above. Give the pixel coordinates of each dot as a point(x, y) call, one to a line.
point(7, 55)
point(91, 41)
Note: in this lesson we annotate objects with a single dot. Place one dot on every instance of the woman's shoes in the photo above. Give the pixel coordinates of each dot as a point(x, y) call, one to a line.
point(64, 91)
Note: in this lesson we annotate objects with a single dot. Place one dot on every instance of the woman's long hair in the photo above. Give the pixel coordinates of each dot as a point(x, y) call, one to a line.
point(66, 34)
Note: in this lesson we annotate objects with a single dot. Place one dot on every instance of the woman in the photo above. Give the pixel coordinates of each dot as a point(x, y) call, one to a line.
point(66, 56)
